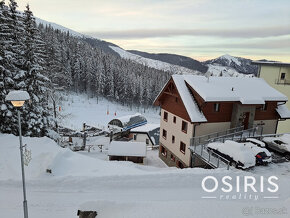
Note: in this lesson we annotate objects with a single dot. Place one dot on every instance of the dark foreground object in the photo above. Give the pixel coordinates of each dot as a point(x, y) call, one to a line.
point(87, 214)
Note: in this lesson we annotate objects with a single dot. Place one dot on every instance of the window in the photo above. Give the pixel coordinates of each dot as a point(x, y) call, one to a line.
point(164, 133)
point(265, 107)
point(135, 137)
point(147, 141)
point(173, 139)
point(172, 158)
point(174, 119)
point(179, 165)
point(182, 147)
point(184, 126)
point(165, 116)
point(216, 107)
point(176, 100)
point(283, 75)
point(163, 151)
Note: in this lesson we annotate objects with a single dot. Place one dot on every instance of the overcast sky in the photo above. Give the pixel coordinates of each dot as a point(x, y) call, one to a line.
point(201, 29)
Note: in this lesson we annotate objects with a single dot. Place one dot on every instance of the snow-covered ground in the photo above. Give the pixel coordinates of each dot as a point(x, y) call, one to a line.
point(159, 65)
point(121, 189)
point(88, 181)
point(78, 109)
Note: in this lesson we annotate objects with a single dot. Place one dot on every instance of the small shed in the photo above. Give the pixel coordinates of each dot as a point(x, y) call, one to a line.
point(148, 133)
point(127, 151)
point(127, 122)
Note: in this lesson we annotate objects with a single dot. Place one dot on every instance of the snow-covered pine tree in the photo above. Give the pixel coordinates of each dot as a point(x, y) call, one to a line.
point(36, 112)
point(6, 65)
point(11, 30)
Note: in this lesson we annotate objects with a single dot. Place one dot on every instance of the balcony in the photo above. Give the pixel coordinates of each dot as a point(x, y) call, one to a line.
point(282, 82)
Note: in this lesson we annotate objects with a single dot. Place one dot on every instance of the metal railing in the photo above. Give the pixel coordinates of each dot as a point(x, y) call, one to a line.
point(210, 157)
point(199, 144)
point(256, 131)
point(204, 139)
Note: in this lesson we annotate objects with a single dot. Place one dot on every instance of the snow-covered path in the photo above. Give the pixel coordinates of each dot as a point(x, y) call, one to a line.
point(160, 195)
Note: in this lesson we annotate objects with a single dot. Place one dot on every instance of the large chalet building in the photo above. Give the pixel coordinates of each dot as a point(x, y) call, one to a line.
point(193, 106)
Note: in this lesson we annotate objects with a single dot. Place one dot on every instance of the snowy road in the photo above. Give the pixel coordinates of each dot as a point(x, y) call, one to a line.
point(155, 195)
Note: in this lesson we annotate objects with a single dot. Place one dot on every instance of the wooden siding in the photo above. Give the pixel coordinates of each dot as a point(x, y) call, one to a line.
point(269, 114)
point(224, 114)
point(170, 100)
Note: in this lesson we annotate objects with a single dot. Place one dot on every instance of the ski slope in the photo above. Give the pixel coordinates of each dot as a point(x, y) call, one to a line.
point(159, 65)
point(76, 109)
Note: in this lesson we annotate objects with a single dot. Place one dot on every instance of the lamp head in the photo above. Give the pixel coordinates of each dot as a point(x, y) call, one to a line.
point(17, 97)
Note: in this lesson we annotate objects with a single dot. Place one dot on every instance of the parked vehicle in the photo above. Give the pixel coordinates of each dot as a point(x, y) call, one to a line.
point(256, 142)
point(262, 155)
point(239, 155)
point(279, 144)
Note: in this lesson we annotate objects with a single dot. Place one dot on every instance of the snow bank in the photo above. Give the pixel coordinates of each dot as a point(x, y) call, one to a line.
point(46, 154)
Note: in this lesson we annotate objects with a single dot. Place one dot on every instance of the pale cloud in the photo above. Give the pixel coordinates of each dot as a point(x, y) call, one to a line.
point(258, 32)
point(197, 28)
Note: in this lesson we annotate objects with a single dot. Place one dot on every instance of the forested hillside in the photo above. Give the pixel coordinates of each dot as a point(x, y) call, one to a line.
point(39, 59)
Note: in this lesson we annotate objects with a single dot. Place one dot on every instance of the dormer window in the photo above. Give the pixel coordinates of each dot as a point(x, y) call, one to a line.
point(264, 107)
point(216, 107)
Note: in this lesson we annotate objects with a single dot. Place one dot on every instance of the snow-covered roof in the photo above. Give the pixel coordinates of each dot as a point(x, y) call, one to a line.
point(131, 149)
point(153, 131)
point(191, 106)
point(17, 95)
point(244, 90)
point(283, 111)
point(271, 63)
point(129, 121)
point(146, 128)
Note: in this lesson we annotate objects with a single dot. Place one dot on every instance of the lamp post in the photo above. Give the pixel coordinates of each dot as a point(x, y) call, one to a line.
point(18, 99)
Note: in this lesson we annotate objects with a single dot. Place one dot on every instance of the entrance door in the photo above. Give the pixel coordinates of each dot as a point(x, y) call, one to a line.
point(246, 116)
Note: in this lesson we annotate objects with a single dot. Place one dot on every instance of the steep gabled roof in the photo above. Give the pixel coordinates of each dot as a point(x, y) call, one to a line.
point(187, 99)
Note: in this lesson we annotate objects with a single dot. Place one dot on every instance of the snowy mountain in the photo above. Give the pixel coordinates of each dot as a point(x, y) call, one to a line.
point(241, 65)
point(159, 65)
point(174, 59)
point(59, 27)
point(227, 64)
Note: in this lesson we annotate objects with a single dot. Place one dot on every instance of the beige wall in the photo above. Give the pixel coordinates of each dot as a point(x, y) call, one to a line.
point(207, 128)
point(175, 129)
point(269, 126)
point(271, 74)
point(141, 138)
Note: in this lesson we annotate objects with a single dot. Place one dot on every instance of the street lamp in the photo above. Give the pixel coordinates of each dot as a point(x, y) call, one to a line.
point(18, 99)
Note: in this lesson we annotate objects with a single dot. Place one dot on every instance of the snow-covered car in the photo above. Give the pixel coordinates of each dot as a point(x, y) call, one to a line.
point(262, 155)
point(279, 144)
point(256, 142)
point(239, 155)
